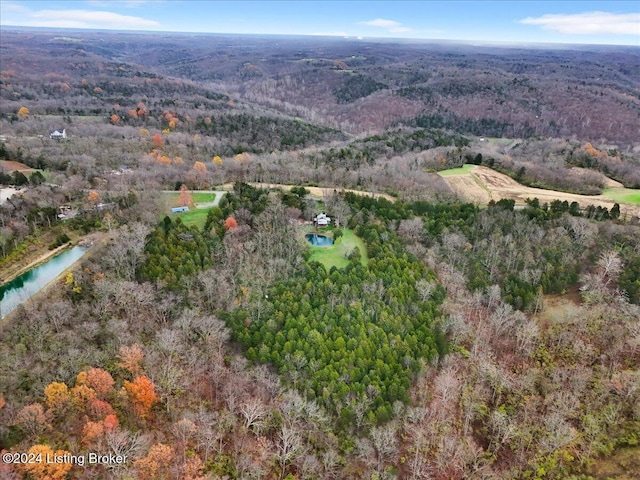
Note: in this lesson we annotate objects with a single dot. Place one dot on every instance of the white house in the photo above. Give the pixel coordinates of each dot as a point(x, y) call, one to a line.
point(321, 220)
point(58, 134)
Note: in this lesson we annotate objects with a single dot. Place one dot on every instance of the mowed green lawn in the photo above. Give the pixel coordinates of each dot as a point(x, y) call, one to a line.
point(334, 256)
point(195, 216)
point(623, 195)
point(198, 197)
point(456, 171)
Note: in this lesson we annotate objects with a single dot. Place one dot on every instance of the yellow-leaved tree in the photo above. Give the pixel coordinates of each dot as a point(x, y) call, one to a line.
point(48, 467)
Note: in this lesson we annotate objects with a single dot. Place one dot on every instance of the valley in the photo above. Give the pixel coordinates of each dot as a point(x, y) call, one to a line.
point(473, 312)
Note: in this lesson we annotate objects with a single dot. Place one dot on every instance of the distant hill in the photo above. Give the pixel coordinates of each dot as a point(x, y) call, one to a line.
point(591, 93)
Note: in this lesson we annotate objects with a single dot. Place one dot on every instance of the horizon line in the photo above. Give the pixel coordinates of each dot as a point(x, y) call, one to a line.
point(531, 43)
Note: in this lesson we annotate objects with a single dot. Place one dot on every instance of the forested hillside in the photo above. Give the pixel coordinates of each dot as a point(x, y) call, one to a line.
point(201, 336)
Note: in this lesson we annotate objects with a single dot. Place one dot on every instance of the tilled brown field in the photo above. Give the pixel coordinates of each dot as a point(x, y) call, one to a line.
point(501, 186)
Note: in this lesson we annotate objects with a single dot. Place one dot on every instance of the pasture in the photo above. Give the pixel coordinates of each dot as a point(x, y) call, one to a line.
point(623, 195)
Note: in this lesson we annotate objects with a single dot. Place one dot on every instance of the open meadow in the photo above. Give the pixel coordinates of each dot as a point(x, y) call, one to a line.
point(480, 185)
point(336, 254)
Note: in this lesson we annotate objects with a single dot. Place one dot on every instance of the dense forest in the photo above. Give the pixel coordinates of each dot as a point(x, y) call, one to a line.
point(436, 338)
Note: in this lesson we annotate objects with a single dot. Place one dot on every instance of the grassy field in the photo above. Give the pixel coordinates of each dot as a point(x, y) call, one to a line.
point(195, 216)
point(198, 197)
point(456, 171)
point(334, 256)
point(623, 195)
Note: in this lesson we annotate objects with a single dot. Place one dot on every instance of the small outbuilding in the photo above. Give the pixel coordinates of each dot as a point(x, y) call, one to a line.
point(58, 134)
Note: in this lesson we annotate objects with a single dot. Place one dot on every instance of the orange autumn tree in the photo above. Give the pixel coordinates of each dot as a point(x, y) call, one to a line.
point(100, 380)
point(592, 151)
point(93, 196)
point(243, 157)
point(114, 119)
point(158, 141)
point(200, 167)
point(200, 170)
point(46, 470)
point(99, 409)
point(230, 223)
point(185, 199)
point(23, 112)
point(93, 432)
point(156, 463)
point(164, 160)
point(142, 395)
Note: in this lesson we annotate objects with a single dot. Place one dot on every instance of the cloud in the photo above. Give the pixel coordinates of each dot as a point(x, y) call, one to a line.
point(588, 23)
point(391, 25)
point(18, 15)
point(380, 22)
point(13, 7)
point(329, 34)
point(92, 19)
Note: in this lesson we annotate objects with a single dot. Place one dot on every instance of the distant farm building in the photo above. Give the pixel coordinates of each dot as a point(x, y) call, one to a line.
point(66, 212)
point(321, 220)
point(58, 134)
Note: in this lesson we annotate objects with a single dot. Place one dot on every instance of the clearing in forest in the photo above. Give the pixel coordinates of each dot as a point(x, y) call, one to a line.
point(336, 254)
point(196, 216)
point(492, 185)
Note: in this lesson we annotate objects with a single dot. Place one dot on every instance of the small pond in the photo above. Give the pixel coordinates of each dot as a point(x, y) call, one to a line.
point(28, 284)
point(318, 240)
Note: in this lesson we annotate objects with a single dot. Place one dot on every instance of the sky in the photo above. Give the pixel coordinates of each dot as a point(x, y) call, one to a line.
point(579, 22)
